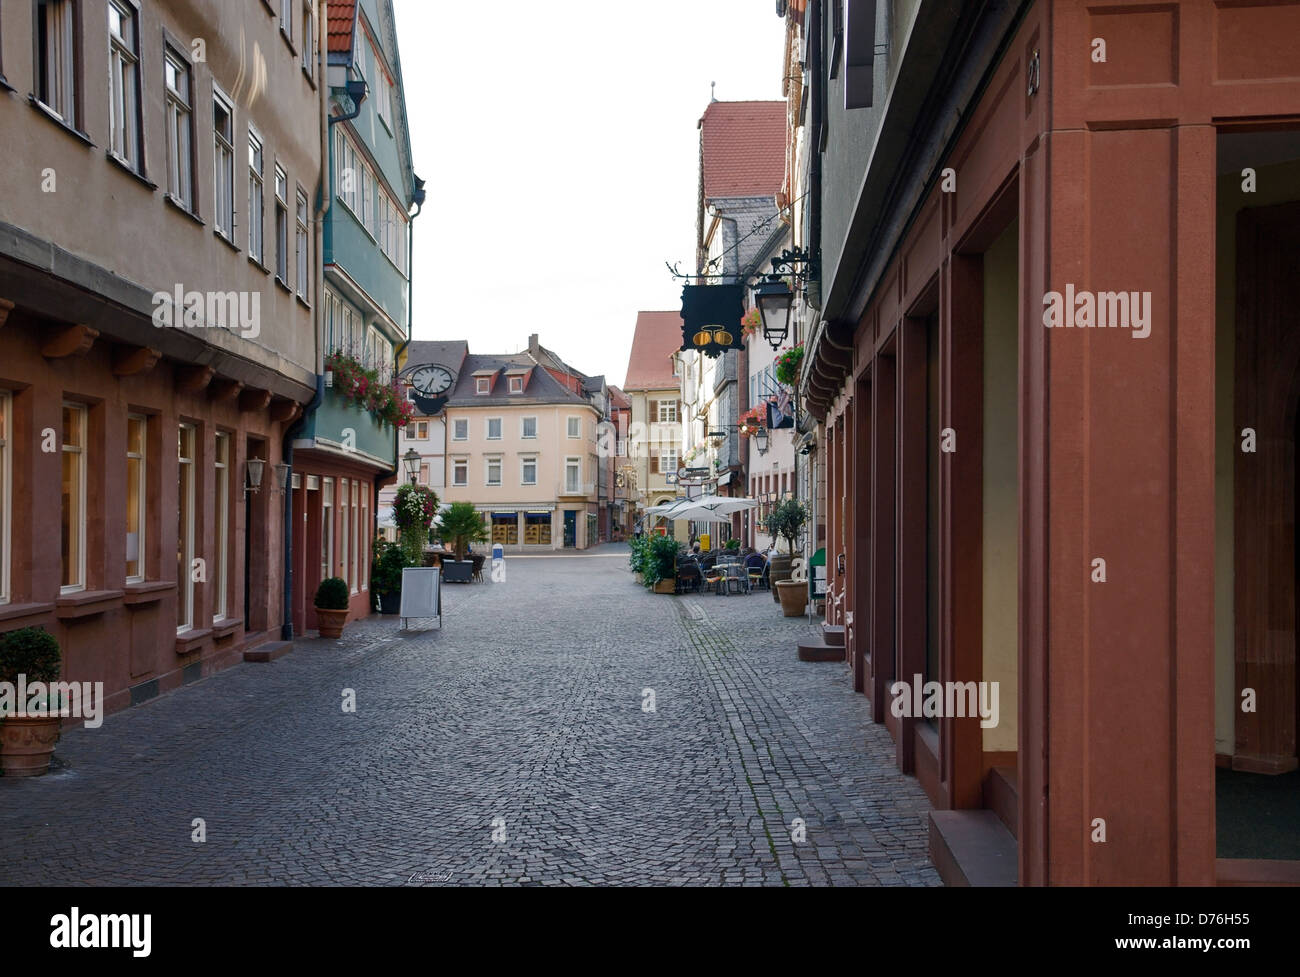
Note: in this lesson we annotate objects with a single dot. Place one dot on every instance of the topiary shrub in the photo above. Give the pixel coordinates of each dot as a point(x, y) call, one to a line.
point(332, 594)
point(30, 652)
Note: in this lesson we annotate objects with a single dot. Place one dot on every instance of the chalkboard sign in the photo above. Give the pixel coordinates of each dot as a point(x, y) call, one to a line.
point(421, 594)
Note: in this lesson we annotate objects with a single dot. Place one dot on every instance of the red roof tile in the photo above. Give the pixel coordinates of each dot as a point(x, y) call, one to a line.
point(342, 17)
point(742, 147)
point(658, 335)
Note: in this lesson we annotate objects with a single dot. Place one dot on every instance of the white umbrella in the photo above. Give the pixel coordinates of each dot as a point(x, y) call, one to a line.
point(712, 508)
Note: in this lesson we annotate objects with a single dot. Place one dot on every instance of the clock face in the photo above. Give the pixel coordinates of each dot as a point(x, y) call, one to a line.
point(431, 379)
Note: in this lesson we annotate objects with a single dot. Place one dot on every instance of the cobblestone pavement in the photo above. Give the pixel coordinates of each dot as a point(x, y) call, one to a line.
point(511, 746)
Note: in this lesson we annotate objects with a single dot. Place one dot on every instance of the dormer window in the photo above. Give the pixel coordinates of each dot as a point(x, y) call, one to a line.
point(482, 385)
point(516, 385)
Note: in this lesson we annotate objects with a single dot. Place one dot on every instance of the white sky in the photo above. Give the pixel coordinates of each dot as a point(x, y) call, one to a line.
point(559, 147)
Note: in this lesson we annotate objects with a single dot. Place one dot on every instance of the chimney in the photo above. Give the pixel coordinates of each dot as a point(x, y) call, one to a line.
point(534, 346)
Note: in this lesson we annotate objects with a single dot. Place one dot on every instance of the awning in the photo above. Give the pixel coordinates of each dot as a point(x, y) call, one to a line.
point(505, 515)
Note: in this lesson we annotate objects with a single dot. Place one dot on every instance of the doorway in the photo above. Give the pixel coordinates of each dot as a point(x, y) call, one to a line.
point(570, 528)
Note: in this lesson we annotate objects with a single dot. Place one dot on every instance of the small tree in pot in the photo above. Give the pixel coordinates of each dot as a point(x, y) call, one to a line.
point(462, 524)
point(332, 607)
point(29, 730)
point(785, 521)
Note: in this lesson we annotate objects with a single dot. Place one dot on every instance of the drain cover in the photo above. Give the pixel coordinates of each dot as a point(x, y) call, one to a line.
point(430, 875)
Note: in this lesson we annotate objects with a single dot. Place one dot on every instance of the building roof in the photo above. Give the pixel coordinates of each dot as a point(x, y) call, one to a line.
point(448, 353)
point(541, 387)
point(658, 335)
point(619, 399)
point(341, 21)
point(742, 149)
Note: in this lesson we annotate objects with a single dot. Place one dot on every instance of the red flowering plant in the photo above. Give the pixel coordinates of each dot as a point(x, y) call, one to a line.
point(362, 387)
point(751, 322)
point(788, 363)
point(751, 421)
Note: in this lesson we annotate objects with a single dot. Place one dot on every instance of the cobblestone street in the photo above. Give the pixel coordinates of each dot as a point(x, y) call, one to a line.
point(522, 718)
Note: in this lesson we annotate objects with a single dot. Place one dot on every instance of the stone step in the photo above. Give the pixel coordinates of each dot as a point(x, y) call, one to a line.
point(268, 651)
point(834, 634)
point(813, 649)
point(972, 848)
point(1002, 797)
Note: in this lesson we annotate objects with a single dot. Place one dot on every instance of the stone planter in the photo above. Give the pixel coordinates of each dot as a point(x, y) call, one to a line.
point(27, 743)
point(793, 595)
point(779, 570)
point(330, 623)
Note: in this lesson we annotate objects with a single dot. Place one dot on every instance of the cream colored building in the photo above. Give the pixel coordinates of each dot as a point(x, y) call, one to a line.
point(523, 449)
point(654, 441)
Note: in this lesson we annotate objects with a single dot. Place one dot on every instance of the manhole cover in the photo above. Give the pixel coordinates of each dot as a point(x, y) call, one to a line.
point(430, 875)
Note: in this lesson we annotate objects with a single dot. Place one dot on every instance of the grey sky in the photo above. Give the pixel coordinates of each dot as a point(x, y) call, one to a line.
point(560, 151)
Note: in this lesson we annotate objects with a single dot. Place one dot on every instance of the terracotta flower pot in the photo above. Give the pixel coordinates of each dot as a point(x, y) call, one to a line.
point(780, 570)
point(331, 622)
point(793, 595)
point(26, 744)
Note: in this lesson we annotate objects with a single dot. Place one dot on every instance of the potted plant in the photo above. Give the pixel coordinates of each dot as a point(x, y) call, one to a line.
point(640, 547)
point(787, 365)
point(785, 521)
point(386, 575)
point(661, 564)
point(462, 524)
point(751, 322)
point(29, 730)
point(332, 607)
point(732, 545)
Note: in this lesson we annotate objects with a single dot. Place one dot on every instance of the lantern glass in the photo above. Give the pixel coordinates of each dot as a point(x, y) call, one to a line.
point(254, 466)
point(760, 440)
point(775, 301)
point(412, 461)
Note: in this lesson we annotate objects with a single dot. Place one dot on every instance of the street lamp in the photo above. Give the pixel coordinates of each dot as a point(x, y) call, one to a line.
point(760, 440)
point(775, 301)
point(254, 468)
point(412, 460)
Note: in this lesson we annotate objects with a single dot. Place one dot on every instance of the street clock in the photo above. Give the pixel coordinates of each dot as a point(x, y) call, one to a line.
point(431, 379)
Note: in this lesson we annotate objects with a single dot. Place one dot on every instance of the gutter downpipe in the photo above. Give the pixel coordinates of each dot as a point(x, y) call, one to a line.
point(318, 276)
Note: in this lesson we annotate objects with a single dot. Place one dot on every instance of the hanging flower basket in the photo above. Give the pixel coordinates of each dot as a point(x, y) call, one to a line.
point(751, 421)
point(787, 365)
point(751, 323)
point(361, 387)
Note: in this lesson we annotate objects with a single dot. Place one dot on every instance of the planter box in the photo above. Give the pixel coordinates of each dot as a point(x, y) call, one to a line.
point(457, 571)
point(666, 586)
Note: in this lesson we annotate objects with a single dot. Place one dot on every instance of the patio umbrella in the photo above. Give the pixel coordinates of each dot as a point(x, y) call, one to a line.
point(712, 508)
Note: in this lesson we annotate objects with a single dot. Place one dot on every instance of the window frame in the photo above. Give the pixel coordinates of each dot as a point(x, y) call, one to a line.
point(186, 500)
point(171, 97)
point(227, 148)
point(460, 465)
point(6, 493)
point(281, 225)
point(523, 428)
point(142, 493)
point(487, 428)
point(482, 386)
point(82, 413)
point(302, 244)
point(117, 44)
point(525, 460)
point(573, 462)
point(222, 463)
point(568, 427)
point(488, 462)
point(69, 114)
point(256, 201)
point(456, 423)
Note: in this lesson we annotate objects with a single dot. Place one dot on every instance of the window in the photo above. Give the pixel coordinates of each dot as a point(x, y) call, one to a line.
point(281, 225)
point(327, 528)
point(494, 429)
point(309, 50)
point(421, 432)
point(124, 84)
point(482, 385)
point(424, 475)
point(180, 129)
point(572, 474)
point(185, 438)
point(56, 70)
point(367, 213)
point(74, 498)
point(575, 427)
point(300, 245)
point(460, 471)
point(221, 606)
point(137, 428)
point(667, 460)
point(6, 492)
point(359, 535)
point(528, 471)
point(382, 91)
point(537, 528)
point(505, 528)
point(529, 428)
point(364, 531)
point(223, 164)
point(494, 471)
point(286, 19)
point(460, 429)
point(516, 385)
point(345, 162)
point(256, 198)
point(667, 412)
point(345, 526)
